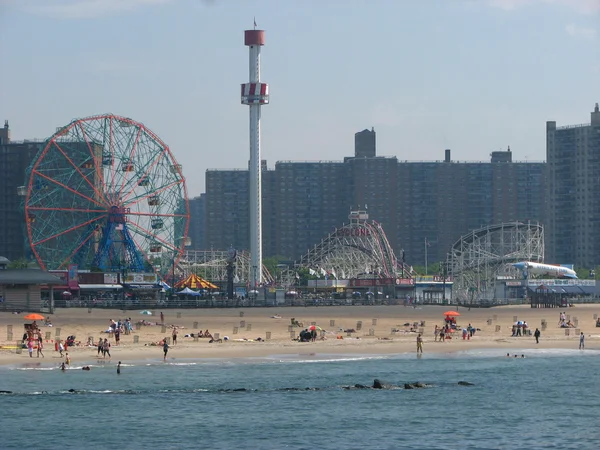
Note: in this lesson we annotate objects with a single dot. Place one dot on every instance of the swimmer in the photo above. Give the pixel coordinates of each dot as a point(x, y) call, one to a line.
point(86, 368)
point(522, 356)
point(62, 366)
point(508, 355)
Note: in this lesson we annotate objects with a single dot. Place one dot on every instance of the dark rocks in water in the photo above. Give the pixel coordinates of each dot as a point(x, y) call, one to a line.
point(72, 390)
point(465, 383)
point(6, 392)
point(417, 385)
point(356, 386)
point(379, 385)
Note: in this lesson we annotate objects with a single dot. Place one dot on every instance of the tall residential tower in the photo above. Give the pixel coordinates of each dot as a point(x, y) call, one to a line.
point(573, 220)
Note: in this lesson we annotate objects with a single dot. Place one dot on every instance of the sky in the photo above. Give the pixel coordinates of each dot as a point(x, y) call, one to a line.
point(474, 76)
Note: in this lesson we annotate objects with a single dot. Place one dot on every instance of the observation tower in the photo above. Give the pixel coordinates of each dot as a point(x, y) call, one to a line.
point(255, 94)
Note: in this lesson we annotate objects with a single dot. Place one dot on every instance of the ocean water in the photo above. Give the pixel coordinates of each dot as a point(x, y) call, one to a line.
point(550, 399)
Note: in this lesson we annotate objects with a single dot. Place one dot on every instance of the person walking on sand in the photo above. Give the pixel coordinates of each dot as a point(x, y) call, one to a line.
point(162, 317)
point(100, 346)
point(30, 347)
point(536, 335)
point(106, 348)
point(39, 349)
point(165, 349)
point(175, 335)
point(61, 349)
point(581, 341)
point(419, 343)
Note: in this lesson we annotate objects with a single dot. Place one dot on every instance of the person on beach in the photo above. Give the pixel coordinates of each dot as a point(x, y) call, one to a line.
point(106, 348)
point(165, 349)
point(419, 343)
point(67, 359)
point(61, 349)
point(436, 333)
point(30, 347)
point(175, 335)
point(119, 368)
point(536, 335)
point(162, 317)
point(581, 341)
point(100, 346)
point(39, 349)
point(442, 334)
point(62, 366)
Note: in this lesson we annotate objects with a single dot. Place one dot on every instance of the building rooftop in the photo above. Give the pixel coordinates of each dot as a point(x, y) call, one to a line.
point(28, 276)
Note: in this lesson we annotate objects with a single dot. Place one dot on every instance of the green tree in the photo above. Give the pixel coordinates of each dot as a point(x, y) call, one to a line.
point(20, 263)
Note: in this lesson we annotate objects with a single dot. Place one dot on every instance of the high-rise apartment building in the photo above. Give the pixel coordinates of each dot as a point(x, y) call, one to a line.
point(15, 157)
point(573, 186)
point(424, 207)
point(197, 223)
point(440, 201)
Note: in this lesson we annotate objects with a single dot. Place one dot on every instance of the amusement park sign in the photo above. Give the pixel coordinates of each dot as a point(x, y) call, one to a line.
point(358, 232)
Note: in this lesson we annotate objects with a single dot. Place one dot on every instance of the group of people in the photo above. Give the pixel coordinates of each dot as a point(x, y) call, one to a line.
point(520, 328)
point(103, 347)
point(116, 328)
point(565, 322)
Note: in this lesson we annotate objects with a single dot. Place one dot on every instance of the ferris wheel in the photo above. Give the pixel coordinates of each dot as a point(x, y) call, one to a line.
point(106, 193)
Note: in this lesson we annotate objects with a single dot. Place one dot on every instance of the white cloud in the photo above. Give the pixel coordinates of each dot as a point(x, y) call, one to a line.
point(580, 32)
point(86, 9)
point(581, 6)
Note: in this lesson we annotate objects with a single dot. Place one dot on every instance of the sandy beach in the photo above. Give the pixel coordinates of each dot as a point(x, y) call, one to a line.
point(383, 330)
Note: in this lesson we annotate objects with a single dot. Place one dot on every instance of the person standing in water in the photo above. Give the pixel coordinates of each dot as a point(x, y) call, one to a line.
point(419, 343)
point(581, 341)
point(119, 368)
point(165, 349)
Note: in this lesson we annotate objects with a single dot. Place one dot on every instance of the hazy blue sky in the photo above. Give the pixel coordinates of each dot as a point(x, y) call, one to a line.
point(470, 75)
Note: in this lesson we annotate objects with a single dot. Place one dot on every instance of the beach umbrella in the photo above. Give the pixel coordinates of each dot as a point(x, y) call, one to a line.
point(451, 313)
point(33, 316)
point(315, 328)
point(146, 312)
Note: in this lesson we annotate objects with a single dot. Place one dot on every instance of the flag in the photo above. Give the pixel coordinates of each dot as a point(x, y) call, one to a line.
point(255, 22)
point(297, 276)
point(236, 279)
point(312, 272)
point(343, 275)
point(323, 272)
point(333, 273)
point(427, 243)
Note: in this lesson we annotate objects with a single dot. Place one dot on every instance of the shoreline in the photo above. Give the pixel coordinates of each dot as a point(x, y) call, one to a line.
point(299, 351)
point(383, 330)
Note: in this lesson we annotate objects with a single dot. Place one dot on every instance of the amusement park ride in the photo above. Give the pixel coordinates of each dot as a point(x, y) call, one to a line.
point(106, 193)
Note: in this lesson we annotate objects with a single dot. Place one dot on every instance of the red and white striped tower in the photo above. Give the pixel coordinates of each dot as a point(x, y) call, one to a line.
point(255, 94)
